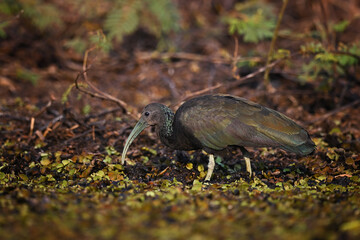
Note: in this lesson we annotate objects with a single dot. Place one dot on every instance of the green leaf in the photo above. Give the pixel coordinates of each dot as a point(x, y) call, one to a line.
point(2, 175)
point(218, 160)
point(152, 151)
point(86, 109)
point(331, 154)
point(23, 177)
point(200, 168)
point(166, 14)
point(341, 26)
point(107, 160)
point(197, 186)
point(285, 170)
point(3, 25)
point(78, 44)
point(32, 164)
point(144, 159)
point(150, 194)
point(123, 20)
point(351, 226)
point(50, 178)
point(65, 96)
point(101, 41)
point(100, 173)
point(326, 57)
point(28, 75)
point(335, 130)
point(312, 47)
point(282, 53)
point(6, 8)
point(110, 150)
point(254, 28)
point(66, 162)
point(189, 166)
point(44, 15)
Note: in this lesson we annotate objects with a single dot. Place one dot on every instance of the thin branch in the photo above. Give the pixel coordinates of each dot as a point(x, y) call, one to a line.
point(96, 92)
point(324, 15)
point(234, 67)
point(333, 112)
point(32, 123)
point(16, 118)
point(197, 93)
point(171, 85)
point(272, 45)
point(78, 136)
point(103, 113)
point(102, 95)
point(229, 86)
point(93, 87)
point(253, 74)
point(105, 95)
point(43, 109)
point(52, 122)
point(145, 56)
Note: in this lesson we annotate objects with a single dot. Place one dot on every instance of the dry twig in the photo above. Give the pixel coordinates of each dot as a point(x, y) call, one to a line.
point(96, 92)
point(272, 46)
point(228, 86)
point(146, 56)
point(333, 112)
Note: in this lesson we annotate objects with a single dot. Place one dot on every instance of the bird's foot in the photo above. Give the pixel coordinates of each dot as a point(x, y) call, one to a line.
point(128, 162)
point(206, 182)
point(206, 185)
point(251, 174)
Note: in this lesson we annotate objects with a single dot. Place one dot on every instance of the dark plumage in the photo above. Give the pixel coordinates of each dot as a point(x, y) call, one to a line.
point(214, 122)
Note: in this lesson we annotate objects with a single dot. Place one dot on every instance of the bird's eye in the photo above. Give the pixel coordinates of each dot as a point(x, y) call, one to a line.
point(146, 114)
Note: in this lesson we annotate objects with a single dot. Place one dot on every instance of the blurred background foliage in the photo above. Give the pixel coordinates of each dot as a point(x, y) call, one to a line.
point(79, 25)
point(117, 18)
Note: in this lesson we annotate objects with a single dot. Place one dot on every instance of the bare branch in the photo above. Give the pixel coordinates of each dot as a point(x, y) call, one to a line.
point(272, 46)
point(100, 94)
point(96, 92)
point(333, 112)
point(229, 86)
point(145, 56)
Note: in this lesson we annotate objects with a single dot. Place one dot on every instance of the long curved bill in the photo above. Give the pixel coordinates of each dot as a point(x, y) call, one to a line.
point(139, 127)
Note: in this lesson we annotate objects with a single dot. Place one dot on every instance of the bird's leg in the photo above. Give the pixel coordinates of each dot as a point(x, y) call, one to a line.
point(248, 166)
point(211, 166)
point(246, 155)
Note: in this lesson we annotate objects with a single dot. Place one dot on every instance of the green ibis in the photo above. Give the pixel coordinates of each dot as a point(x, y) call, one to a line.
point(215, 122)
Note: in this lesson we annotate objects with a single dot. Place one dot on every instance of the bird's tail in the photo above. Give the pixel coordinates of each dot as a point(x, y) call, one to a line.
point(304, 148)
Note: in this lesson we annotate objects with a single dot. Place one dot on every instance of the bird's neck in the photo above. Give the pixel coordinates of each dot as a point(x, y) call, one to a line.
point(166, 131)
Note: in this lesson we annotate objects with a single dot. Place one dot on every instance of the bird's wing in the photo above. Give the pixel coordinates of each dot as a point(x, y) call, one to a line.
point(277, 127)
point(220, 121)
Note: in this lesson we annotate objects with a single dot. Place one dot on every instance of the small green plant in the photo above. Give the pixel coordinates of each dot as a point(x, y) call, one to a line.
point(28, 75)
point(42, 15)
point(118, 18)
point(325, 65)
point(65, 96)
point(253, 20)
point(77, 43)
point(341, 26)
point(3, 25)
point(157, 16)
point(328, 62)
point(86, 109)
